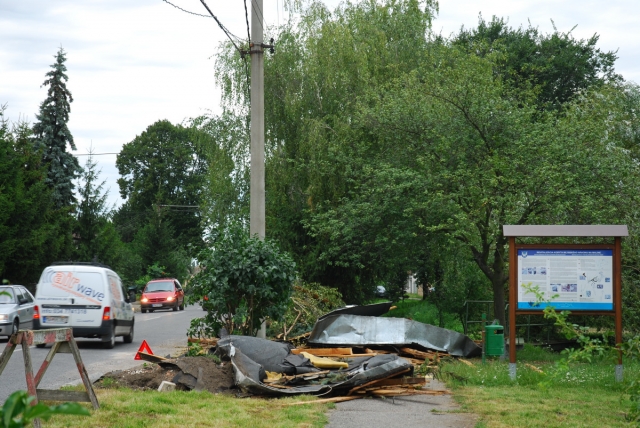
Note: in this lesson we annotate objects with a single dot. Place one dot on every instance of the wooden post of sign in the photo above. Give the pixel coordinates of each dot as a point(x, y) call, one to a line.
point(513, 302)
point(63, 342)
point(617, 294)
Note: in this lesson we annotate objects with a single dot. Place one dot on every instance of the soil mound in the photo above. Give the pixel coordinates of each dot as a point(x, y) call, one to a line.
point(199, 373)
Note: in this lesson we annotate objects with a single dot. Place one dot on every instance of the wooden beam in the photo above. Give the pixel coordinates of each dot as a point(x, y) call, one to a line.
point(324, 352)
point(324, 400)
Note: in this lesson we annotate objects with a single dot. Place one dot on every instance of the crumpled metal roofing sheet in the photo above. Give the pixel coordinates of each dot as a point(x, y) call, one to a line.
point(354, 330)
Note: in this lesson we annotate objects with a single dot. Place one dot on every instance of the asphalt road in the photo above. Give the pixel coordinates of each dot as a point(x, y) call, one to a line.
point(164, 331)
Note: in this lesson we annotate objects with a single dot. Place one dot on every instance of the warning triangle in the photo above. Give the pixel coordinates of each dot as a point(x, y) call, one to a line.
point(143, 348)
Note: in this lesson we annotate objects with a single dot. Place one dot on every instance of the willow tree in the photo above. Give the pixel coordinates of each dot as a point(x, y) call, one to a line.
point(323, 60)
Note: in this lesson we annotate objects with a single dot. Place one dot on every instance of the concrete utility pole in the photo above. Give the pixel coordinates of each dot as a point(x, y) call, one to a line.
point(256, 190)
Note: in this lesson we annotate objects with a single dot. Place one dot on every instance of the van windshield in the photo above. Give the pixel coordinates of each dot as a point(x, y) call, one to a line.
point(6, 295)
point(159, 286)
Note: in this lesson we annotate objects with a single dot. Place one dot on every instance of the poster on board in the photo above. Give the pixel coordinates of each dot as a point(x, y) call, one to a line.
point(570, 279)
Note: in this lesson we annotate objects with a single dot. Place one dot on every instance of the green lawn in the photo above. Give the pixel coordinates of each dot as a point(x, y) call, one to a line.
point(586, 395)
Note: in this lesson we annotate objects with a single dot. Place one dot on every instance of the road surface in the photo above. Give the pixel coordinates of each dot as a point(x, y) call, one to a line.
point(164, 331)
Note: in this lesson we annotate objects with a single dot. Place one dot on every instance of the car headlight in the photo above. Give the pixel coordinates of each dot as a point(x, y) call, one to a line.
point(4, 317)
point(170, 299)
point(144, 300)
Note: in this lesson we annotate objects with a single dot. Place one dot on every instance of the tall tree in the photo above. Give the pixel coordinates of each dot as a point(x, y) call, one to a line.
point(163, 168)
point(556, 65)
point(94, 233)
point(492, 160)
point(51, 134)
point(323, 61)
point(29, 223)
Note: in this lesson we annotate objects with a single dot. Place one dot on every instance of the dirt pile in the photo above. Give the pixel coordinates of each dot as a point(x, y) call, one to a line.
point(199, 373)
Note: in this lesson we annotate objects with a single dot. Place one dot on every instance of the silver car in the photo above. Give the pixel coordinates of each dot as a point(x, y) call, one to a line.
point(16, 309)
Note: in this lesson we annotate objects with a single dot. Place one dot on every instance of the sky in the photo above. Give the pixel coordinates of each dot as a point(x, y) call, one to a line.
point(132, 63)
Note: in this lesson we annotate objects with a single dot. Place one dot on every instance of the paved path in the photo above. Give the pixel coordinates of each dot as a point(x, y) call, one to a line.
point(403, 412)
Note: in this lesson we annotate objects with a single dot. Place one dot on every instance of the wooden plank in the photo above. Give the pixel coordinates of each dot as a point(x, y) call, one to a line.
point(61, 395)
point(373, 382)
point(88, 386)
point(419, 354)
point(151, 358)
point(47, 362)
point(377, 351)
point(324, 400)
point(402, 381)
point(6, 355)
point(324, 352)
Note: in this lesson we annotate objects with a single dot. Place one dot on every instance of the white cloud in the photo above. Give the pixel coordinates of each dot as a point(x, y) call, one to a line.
point(133, 63)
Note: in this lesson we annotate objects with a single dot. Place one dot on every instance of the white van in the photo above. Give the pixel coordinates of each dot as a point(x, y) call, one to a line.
point(87, 297)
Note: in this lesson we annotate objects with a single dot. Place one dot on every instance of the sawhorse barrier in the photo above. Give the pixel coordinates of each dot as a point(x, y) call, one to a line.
point(64, 343)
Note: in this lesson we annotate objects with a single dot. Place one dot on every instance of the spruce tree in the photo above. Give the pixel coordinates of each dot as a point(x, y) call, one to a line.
point(51, 134)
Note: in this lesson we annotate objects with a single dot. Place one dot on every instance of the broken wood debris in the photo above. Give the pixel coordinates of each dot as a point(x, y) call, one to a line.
point(203, 341)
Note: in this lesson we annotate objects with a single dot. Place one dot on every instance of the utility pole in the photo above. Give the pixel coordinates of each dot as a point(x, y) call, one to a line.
point(256, 189)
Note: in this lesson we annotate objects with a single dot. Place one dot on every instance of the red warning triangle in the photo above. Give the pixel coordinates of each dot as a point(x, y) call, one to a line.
point(143, 348)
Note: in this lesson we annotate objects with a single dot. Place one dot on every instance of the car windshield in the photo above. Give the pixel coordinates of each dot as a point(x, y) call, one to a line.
point(7, 296)
point(159, 286)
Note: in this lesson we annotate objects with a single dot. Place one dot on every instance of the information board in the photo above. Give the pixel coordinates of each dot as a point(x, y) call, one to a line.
point(571, 279)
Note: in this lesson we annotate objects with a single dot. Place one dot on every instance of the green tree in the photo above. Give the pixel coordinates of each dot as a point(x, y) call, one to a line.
point(493, 160)
point(323, 61)
point(29, 222)
point(226, 192)
point(95, 235)
point(556, 65)
point(163, 168)
point(245, 280)
point(51, 134)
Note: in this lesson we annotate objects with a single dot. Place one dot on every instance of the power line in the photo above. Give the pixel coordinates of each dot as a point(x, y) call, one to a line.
point(246, 15)
point(187, 11)
point(226, 30)
point(95, 154)
point(222, 27)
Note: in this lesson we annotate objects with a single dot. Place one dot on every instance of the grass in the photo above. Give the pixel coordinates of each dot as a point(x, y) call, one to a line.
point(128, 408)
point(585, 396)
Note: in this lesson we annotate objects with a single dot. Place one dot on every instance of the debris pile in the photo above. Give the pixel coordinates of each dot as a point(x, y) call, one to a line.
point(350, 353)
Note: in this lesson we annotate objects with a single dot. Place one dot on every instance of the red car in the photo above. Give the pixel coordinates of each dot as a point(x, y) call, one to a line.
point(162, 293)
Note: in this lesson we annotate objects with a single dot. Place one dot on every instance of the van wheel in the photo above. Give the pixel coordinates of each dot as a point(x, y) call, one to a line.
point(144, 311)
point(182, 306)
point(175, 308)
point(129, 337)
point(109, 340)
point(41, 345)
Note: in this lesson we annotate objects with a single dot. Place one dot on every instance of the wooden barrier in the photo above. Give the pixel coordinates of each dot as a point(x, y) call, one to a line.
point(64, 343)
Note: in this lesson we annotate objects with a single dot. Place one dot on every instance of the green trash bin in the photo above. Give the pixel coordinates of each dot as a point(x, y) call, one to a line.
point(494, 340)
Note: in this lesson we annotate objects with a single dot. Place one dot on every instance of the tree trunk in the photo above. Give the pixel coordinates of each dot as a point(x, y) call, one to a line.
point(498, 299)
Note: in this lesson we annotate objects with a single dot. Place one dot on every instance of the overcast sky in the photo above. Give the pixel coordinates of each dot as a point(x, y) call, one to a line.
point(133, 62)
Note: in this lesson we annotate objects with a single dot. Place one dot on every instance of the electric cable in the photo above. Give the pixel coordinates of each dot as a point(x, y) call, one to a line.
point(226, 30)
point(246, 16)
point(222, 27)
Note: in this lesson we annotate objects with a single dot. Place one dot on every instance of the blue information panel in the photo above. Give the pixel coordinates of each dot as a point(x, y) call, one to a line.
point(567, 279)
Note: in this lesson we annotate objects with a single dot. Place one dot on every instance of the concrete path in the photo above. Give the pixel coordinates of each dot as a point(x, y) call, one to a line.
point(406, 412)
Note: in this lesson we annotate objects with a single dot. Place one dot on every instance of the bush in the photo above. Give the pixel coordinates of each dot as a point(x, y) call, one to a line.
point(245, 280)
